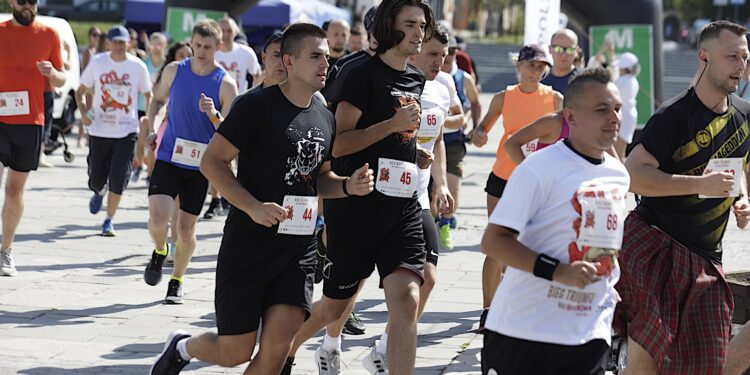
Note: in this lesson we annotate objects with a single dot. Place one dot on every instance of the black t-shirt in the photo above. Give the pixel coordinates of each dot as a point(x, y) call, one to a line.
point(378, 90)
point(333, 60)
point(559, 84)
point(282, 148)
point(338, 74)
point(683, 135)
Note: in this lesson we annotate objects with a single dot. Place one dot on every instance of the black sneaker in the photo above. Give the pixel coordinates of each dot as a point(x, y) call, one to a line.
point(287, 369)
point(321, 255)
point(174, 293)
point(214, 209)
point(169, 361)
point(482, 319)
point(225, 205)
point(354, 325)
point(152, 274)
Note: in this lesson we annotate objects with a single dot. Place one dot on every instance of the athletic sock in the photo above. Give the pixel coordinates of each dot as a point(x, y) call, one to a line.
point(381, 346)
point(331, 343)
point(161, 252)
point(182, 349)
point(180, 279)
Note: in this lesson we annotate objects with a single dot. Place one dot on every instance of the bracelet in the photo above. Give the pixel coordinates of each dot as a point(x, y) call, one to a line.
point(545, 266)
point(343, 186)
point(216, 119)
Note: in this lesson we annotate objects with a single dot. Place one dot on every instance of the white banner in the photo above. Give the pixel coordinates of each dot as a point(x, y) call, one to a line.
point(542, 20)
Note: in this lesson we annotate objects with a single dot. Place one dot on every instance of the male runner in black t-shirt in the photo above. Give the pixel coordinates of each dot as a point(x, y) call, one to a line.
point(676, 304)
point(284, 137)
point(376, 123)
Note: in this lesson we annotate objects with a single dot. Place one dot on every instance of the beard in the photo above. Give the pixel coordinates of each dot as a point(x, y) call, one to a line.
point(21, 17)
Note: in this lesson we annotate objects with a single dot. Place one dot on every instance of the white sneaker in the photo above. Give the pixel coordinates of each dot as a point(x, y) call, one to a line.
point(43, 163)
point(329, 363)
point(171, 248)
point(7, 265)
point(375, 362)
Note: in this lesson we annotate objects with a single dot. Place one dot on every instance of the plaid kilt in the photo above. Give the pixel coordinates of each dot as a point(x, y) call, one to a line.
point(676, 304)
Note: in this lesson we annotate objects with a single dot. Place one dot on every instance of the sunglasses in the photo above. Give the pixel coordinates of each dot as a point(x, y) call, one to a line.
point(24, 2)
point(564, 50)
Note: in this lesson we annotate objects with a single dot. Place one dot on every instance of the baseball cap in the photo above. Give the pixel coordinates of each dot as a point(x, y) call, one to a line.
point(369, 18)
point(118, 33)
point(534, 52)
point(626, 60)
point(275, 37)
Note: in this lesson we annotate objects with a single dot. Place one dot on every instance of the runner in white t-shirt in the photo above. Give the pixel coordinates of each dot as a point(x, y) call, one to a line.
point(115, 79)
point(558, 227)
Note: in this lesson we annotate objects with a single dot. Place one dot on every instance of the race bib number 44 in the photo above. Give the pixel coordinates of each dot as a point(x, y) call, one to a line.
point(396, 178)
point(14, 103)
point(188, 152)
point(732, 166)
point(302, 213)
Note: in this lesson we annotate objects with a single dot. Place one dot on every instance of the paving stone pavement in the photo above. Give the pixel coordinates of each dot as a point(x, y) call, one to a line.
point(79, 304)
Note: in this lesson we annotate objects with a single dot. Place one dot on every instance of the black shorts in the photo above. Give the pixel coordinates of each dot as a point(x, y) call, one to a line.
point(189, 184)
point(431, 239)
point(19, 146)
point(454, 158)
point(110, 162)
point(504, 355)
point(364, 232)
point(495, 186)
point(253, 274)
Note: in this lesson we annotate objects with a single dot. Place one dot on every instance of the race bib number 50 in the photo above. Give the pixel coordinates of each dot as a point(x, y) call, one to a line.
point(14, 103)
point(396, 178)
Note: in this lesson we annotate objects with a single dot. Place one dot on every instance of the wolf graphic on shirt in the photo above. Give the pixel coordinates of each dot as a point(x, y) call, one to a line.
point(309, 154)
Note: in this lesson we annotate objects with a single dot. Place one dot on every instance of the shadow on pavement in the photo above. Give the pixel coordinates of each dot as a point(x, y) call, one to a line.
point(55, 317)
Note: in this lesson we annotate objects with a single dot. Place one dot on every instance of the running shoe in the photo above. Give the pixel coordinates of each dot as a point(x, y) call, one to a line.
point(444, 232)
point(454, 222)
point(108, 229)
point(152, 274)
point(375, 362)
point(169, 361)
point(354, 325)
point(136, 174)
point(171, 248)
point(320, 255)
point(95, 204)
point(329, 363)
point(7, 265)
point(174, 293)
point(214, 209)
point(225, 206)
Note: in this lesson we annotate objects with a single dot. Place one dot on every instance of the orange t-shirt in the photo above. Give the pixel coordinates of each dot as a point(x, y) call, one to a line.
point(22, 47)
point(520, 109)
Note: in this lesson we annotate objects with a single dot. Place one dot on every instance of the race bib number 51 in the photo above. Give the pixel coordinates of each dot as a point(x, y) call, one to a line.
point(396, 178)
point(302, 213)
point(188, 152)
point(14, 103)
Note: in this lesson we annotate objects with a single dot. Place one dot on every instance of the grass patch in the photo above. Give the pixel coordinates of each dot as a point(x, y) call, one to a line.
point(81, 29)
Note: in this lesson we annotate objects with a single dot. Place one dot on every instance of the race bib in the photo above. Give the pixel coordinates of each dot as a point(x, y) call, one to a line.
point(529, 148)
point(188, 152)
point(119, 95)
point(396, 178)
point(602, 217)
point(14, 103)
point(302, 215)
point(732, 166)
point(430, 123)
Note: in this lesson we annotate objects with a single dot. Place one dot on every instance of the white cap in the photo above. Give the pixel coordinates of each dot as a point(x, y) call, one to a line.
point(626, 60)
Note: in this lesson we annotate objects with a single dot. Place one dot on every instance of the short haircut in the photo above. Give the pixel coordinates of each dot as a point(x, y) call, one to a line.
point(441, 34)
point(712, 31)
point(576, 87)
point(384, 29)
point(232, 23)
point(157, 35)
point(341, 23)
point(207, 28)
point(291, 41)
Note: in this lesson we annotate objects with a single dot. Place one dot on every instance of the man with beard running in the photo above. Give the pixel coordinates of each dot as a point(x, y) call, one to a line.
point(31, 56)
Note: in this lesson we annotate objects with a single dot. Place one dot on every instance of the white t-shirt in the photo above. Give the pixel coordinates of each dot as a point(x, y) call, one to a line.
point(447, 80)
point(435, 101)
point(239, 62)
point(539, 202)
point(628, 86)
point(116, 87)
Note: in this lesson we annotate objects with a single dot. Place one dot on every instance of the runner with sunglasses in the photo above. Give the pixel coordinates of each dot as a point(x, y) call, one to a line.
point(564, 48)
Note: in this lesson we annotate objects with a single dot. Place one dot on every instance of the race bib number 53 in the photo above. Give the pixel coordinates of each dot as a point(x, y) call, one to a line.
point(14, 103)
point(396, 178)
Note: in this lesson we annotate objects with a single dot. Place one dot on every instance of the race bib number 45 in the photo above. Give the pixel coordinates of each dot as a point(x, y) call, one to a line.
point(302, 213)
point(14, 103)
point(188, 152)
point(396, 178)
